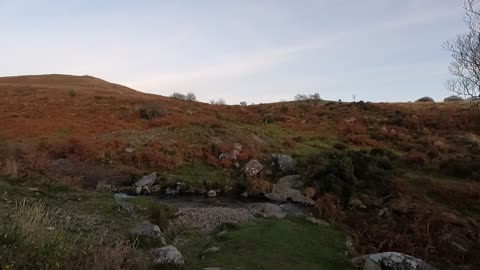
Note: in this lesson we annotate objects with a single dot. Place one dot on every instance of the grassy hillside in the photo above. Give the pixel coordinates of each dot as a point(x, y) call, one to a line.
point(415, 166)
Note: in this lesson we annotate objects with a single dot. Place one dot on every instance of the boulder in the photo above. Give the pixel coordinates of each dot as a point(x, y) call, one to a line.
point(119, 196)
point(394, 261)
point(284, 162)
point(253, 167)
point(283, 192)
point(212, 193)
point(211, 250)
point(237, 146)
point(145, 183)
point(267, 210)
point(167, 255)
point(147, 229)
point(293, 181)
point(317, 221)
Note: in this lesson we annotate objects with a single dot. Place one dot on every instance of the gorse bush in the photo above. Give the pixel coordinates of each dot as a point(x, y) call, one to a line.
point(151, 111)
point(190, 96)
point(344, 172)
point(160, 214)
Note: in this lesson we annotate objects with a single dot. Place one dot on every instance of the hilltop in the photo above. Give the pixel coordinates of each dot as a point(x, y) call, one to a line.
point(403, 175)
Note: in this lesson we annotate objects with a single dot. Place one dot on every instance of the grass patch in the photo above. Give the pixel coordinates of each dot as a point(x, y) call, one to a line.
point(196, 175)
point(270, 244)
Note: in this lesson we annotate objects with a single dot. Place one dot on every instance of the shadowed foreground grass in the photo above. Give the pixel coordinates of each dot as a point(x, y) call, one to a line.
point(270, 244)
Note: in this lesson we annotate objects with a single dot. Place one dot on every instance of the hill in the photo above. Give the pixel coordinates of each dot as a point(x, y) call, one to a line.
point(403, 173)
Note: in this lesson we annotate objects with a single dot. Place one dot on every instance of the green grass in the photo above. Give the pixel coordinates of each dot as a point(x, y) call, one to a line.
point(196, 175)
point(270, 244)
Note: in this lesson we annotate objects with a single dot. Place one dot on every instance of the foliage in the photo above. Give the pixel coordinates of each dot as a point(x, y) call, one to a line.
point(344, 172)
point(465, 49)
point(425, 99)
point(151, 111)
point(219, 101)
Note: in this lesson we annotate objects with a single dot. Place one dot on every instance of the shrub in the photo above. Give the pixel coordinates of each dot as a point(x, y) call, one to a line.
point(179, 96)
point(425, 99)
point(151, 111)
point(191, 97)
point(160, 214)
point(219, 101)
point(453, 99)
point(243, 103)
point(72, 93)
point(345, 172)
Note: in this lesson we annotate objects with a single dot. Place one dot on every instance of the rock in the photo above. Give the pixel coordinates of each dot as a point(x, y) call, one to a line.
point(394, 261)
point(50, 228)
point(355, 203)
point(317, 221)
point(120, 196)
point(284, 162)
point(237, 146)
point(253, 167)
point(222, 234)
point(211, 250)
point(103, 186)
point(267, 210)
point(293, 181)
point(145, 183)
point(149, 230)
point(309, 192)
point(167, 255)
point(212, 193)
point(212, 268)
point(244, 194)
point(129, 149)
point(171, 191)
point(283, 192)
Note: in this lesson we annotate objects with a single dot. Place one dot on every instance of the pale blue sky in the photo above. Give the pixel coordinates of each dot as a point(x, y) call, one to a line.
point(239, 50)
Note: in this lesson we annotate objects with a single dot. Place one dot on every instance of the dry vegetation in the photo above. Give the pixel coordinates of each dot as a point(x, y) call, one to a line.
point(415, 165)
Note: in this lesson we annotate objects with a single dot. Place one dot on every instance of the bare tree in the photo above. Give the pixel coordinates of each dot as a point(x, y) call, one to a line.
point(465, 49)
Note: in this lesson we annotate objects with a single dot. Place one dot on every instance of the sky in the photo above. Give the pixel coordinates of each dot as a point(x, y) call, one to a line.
point(256, 51)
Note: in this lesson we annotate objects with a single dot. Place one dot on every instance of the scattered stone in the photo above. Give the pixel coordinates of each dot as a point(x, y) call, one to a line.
point(103, 186)
point(317, 221)
point(309, 192)
point(149, 230)
point(394, 261)
point(355, 203)
point(284, 162)
point(283, 192)
point(129, 149)
point(211, 250)
point(145, 183)
point(222, 234)
point(208, 218)
point(267, 210)
point(253, 167)
point(237, 146)
point(120, 196)
point(293, 181)
point(167, 255)
point(212, 193)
